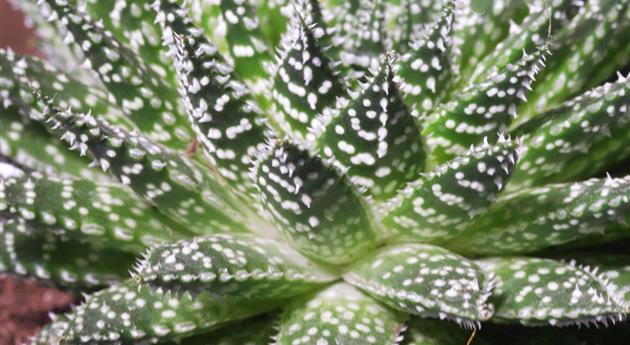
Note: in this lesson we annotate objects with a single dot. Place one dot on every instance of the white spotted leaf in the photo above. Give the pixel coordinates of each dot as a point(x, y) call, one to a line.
point(441, 204)
point(482, 110)
point(32, 249)
point(148, 102)
point(339, 314)
point(230, 265)
point(425, 280)
point(542, 291)
point(595, 209)
point(373, 138)
point(109, 214)
point(305, 84)
point(313, 205)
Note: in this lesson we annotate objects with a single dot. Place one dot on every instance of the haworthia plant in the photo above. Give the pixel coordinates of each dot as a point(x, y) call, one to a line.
point(401, 172)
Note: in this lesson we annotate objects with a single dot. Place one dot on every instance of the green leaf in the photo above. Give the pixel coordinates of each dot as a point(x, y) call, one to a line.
point(340, 315)
point(579, 137)
point(541, 291)
point(142, 96)
point(51, 334)
point(578, 50)
point(537, 218)
point(482, 110)
point(313, 205)
point(436, 332)
point(174, 184)
point(248, 46)
point(441, 204)
point(223, 114)
point(373, 138)
point(230, 265)
point(413, 20)
point(425, 70)
point(610, 267)
point(305, 84)
point(127, 312)
point(133, 24)
point(258, 331)
point(425, 280)
point(108, 214)
point(50, 254)
point(544, 20)
point(363, 38)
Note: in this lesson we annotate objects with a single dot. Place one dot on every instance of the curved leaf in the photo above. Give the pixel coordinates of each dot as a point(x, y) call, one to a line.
point(109, 214)
point(313, 205)
point(50, 254)
point(339, 315)
point(537, 218)
point(129, 313)
point(436, 332)
point(425, 280)
point(373, 138)
point(230, 265)
point(444, 202)
point(542, 291)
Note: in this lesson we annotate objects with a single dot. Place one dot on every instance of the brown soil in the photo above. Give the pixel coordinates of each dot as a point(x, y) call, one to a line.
point(24, 308)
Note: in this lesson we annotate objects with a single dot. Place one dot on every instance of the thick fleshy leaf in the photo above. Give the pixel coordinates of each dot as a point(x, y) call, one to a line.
point(143, 97)
point(537, 218)
point(51, 333)
point(426, 69)
point(223, 114)
point(578, 50)
point(365, 38)
point(247, 43)
point(313, 205)
point(230, 265)
point(109, 214)
point(133, 24)
point(542, 291)
point(425, 280)
point(340, 315)
point(49, 254)
point(127, 312)
point(482, 110)
point(544, 19)
point(436, 332)
point(175, 184)
point(578, 138)
point(413, 19)
point(481, 26)
point(21, 73)
point(611, 267)
point(259, 331)
point(373, 138)
point(440, 205)
point(29, 144)
point(304, 85)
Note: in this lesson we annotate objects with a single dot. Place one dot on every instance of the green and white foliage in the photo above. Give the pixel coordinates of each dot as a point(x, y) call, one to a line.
point(425, 280)
point(313, 205)
point(542, 291)
point(425, 70)
point(230, 265)
point(598, 209)
point(305, 84)
point(484, 109)
point(377, 183)
point(340, 314)
point(110, 214)
point(441, 204)
point(373, 138)
point(32, 249)
point(582, 135)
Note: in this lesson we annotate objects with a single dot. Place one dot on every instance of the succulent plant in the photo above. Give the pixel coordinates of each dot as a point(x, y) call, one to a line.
point(305, 172)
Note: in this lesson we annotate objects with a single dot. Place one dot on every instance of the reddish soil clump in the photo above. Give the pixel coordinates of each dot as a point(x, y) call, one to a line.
point(24, 308)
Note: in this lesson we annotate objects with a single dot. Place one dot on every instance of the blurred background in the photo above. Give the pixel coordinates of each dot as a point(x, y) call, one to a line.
point(24, 304)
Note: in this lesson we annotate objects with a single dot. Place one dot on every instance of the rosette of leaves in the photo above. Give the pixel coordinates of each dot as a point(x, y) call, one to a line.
point(382, 180)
